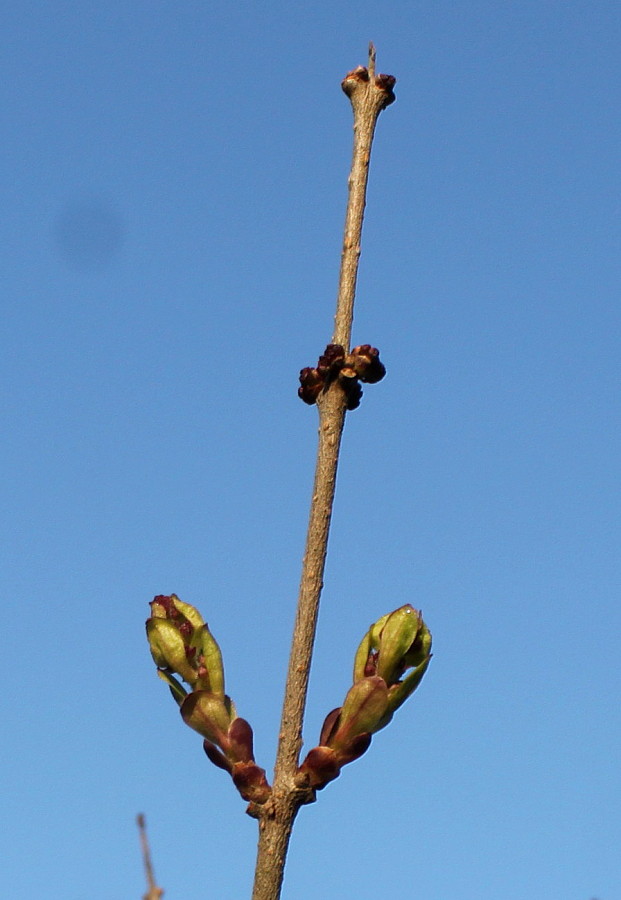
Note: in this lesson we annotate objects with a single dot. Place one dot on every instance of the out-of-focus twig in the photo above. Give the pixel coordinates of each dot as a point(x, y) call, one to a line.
point(153, 891)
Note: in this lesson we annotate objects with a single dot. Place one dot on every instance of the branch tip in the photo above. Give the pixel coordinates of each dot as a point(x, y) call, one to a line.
point(372, 57)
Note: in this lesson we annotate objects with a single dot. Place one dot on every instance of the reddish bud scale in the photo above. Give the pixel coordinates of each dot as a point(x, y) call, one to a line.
point(241, 740)
point(320, 767)
point(250, 781)
point(216, 756)
point(166, 603)
point(329, 726)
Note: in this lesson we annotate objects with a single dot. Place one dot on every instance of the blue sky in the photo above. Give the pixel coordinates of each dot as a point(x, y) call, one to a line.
point(173, 199)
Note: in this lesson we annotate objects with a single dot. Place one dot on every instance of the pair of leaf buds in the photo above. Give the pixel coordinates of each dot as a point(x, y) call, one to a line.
point(390, 662)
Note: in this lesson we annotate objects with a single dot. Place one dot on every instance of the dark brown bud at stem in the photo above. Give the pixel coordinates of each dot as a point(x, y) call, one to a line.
point(331, 360)
point(311, 385)
point(386, 83)
point(353, 392)
point(362, 364)
point(366, 363)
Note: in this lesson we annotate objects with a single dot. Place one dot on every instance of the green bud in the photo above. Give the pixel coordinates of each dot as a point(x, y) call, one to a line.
point(181, 643)
point(389, 665)
point(395, 643)
point(399, 693)
point(189, 612)
point(421, 648)
point(168, 648)
point(209, 715)
point(364, 707)
point(377, 628)
point(365, 662)
point(362, 656)
point(396, 648)
point(396, 637)
point(211, 670)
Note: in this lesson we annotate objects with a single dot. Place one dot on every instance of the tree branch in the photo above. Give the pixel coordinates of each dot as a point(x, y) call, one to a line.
point(369, 94)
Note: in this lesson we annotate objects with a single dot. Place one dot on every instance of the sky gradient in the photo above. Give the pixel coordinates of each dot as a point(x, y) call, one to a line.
point(174, 193)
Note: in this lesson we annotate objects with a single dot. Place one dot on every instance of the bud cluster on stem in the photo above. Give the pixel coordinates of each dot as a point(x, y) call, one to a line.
point(390, 662)
point(348, 369)
point(182, 645)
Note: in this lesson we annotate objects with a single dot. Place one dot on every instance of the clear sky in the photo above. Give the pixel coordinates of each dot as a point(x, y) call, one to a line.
point(174, 185)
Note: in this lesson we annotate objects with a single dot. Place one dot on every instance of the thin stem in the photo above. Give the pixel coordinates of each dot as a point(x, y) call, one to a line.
point(287, 797)
point(368, 96)
point(153, 891)
point(368, 99)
